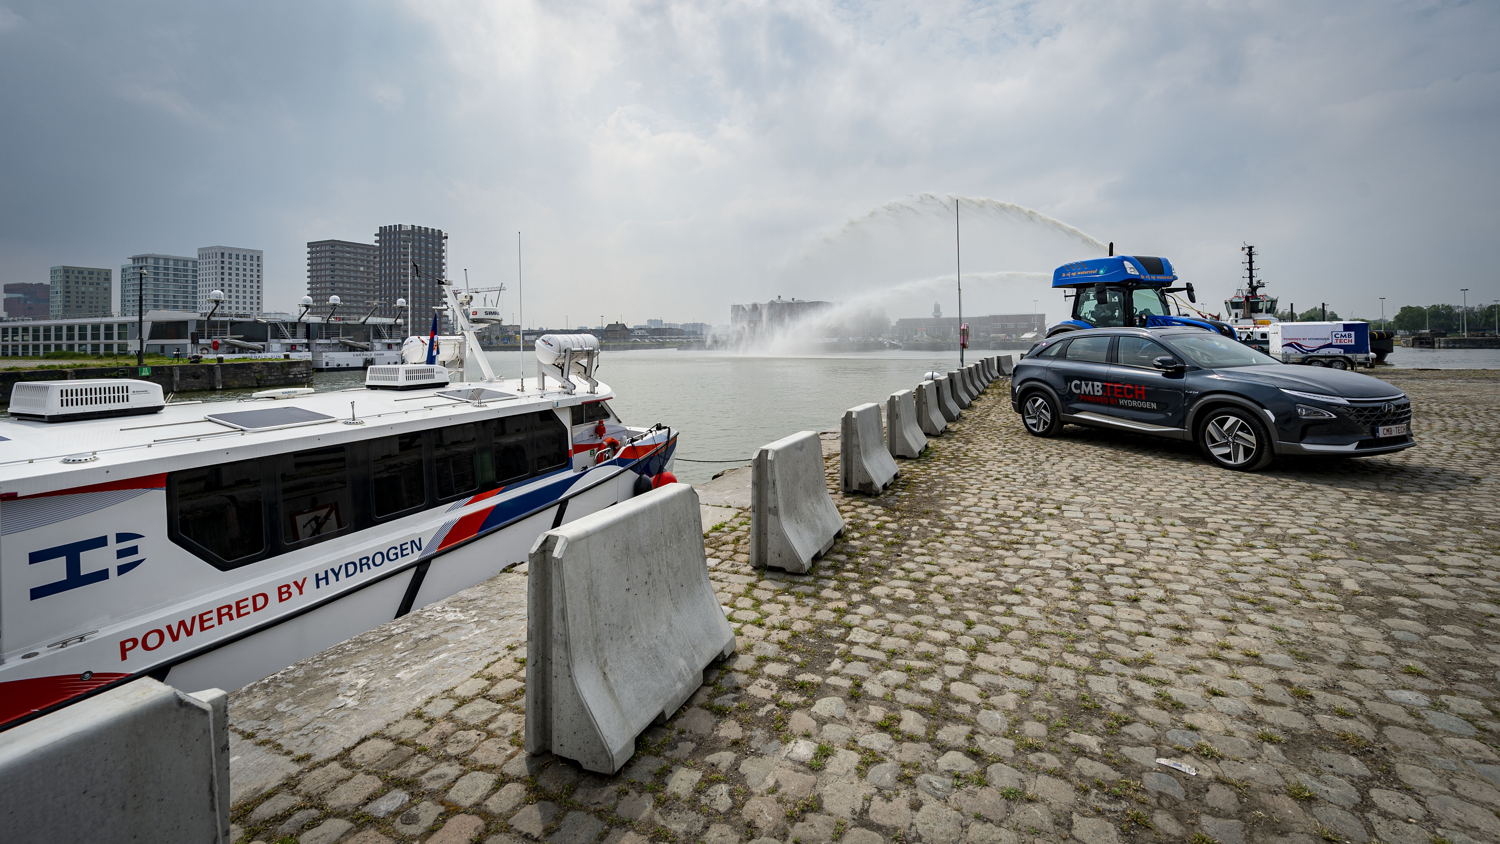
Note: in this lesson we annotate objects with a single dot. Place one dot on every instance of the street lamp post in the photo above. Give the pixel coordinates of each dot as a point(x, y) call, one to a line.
point(1382, 313)
point(140, 316)
point(1464, 314)
point(1429, 318)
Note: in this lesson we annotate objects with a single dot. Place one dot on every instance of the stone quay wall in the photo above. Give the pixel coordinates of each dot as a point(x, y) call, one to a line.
point(999, 648)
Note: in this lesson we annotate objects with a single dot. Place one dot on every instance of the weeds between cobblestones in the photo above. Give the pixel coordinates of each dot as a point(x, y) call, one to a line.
point(1001, 646)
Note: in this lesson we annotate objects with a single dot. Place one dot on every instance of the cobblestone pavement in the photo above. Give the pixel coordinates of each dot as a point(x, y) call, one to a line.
point(1003, 645)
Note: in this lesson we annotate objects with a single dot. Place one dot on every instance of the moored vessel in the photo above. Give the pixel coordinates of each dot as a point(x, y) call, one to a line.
point(211, 544)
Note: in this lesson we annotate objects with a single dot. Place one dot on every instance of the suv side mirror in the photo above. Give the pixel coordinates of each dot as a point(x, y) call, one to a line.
point(1169, 365)
point(1192, 297)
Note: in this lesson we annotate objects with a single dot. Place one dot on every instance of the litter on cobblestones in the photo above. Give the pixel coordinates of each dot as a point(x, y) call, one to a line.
point(1179, 766)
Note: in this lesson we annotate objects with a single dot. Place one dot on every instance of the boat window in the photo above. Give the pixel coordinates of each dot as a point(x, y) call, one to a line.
point(455, 460)
point(548, 442)
point(591, 412)
point(315, 499)
point(397, 481)
point(1091, 349)
point(228, 514)
point(219, 510)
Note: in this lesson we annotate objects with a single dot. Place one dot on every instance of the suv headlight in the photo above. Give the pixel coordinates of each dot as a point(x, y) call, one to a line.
point(1305, 411)
point(1315, 397)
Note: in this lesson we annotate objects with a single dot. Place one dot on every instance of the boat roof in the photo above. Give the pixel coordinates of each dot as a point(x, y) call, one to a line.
point(1145, 270)
point(38, 457)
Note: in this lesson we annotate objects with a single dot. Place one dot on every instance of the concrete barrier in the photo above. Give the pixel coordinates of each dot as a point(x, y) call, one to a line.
point(976, 379)
point(959, 389)
point(947, 404)
point(930, 410)
point(991, 368)
point(1007, 365)
point(142, 762)
point(620, 623)
point(865, 465)
point(792, 517)
point(903, 432)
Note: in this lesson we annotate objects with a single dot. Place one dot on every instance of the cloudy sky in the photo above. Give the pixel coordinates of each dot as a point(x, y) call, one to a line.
point(665, 159)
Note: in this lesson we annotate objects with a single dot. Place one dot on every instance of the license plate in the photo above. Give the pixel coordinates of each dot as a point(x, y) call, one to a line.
point(1390, 431)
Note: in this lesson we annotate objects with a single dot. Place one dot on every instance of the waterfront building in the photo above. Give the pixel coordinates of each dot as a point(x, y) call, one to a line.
point(342, 268)
point(27, 300)
point(762, 318)
point(81, 292)
point(400, 248)
point(171, 283)
point(237, 273)
point(992, 328)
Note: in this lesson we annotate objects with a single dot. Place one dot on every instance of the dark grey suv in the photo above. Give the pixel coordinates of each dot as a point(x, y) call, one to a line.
point(1241, 407)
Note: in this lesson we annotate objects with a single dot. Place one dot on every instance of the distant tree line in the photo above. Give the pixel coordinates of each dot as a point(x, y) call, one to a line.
point(1444, 318)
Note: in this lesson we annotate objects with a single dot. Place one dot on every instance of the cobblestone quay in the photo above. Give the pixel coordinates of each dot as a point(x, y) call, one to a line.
point(1001, 648)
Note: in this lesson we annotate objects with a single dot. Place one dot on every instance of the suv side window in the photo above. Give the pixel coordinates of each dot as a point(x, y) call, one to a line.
point(1051, 350)
point(1091, 349)
point(1139, 351)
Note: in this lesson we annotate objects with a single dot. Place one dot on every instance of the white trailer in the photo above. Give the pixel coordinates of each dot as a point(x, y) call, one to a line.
point(1339, 345)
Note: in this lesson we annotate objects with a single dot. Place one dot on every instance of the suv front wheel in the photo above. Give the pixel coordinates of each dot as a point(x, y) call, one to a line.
point(1039, 414)
point(1235, 439)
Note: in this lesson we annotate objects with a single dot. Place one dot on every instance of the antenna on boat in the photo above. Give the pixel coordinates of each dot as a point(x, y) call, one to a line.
point(1111, 249)
point(520, 315)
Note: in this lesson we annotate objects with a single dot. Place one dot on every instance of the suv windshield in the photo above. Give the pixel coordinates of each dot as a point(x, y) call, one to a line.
point(1212, 351)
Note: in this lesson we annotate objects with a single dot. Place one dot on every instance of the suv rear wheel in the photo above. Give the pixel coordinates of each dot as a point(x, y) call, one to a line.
point(1040, 415)
point(1234, 439)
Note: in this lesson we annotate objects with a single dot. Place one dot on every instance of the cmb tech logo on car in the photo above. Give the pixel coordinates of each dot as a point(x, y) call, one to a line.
point(1109, 392)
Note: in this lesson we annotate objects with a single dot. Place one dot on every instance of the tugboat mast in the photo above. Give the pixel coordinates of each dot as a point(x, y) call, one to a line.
point(1252, 286)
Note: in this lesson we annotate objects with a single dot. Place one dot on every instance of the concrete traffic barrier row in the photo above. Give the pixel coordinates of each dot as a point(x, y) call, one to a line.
point(903, 432)
point(142, 762)
point(947, 403)
point(865, 463)
point(792, 517)
point(960, 388)
point(621, 622)
point(929, 409)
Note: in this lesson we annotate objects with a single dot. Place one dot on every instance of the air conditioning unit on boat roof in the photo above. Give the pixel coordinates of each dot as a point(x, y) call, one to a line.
point(406, 376)
point(89, 398)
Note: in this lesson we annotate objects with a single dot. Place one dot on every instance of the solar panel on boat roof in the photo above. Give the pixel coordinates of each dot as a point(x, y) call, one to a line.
point(271, 417)
point(476, 394)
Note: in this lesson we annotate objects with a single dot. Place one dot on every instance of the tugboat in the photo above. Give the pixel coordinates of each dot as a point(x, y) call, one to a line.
point(1251, 312)
point(211, 544)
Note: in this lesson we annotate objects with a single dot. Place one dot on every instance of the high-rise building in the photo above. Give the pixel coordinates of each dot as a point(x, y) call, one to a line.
point(81, 292)
point(171, 283)
point(27, 300)
point(411, 261)
point(344, 269)
point(237, 273)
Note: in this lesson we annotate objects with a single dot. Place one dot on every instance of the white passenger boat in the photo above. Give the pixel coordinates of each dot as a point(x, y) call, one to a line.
point(211, 544)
